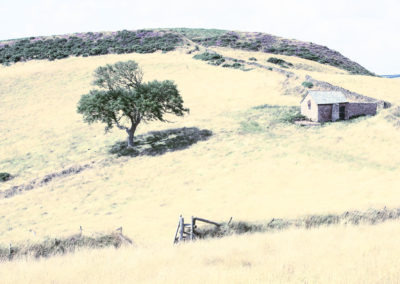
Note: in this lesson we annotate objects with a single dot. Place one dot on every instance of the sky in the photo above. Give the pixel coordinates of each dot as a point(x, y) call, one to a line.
point(366, 31)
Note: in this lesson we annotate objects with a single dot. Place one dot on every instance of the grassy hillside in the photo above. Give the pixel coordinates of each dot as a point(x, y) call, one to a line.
point(148, 41)
point(273, 44)
point(255, 166)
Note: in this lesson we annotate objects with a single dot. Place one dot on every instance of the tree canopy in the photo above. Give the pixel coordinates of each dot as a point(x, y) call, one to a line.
point(124, 101)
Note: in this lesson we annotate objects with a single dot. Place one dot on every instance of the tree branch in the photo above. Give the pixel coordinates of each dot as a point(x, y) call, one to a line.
point(118, 124)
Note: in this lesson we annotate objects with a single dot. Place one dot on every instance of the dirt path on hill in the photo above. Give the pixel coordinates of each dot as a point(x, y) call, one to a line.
point(39, 182)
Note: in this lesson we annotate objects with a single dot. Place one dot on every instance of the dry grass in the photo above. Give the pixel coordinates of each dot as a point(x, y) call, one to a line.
point(252, 168)
point(300, 65)
point(363, 254)
point(380, 88)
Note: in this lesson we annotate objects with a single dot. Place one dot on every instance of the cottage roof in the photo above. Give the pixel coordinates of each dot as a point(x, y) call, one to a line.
point(327, 97)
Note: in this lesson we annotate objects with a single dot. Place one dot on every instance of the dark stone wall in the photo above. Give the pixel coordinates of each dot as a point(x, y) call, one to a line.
point(352, 110)
point(324, 113)
point(357, 109)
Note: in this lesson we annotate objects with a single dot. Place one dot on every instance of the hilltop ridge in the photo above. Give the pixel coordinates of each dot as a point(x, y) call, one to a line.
point(151, 40)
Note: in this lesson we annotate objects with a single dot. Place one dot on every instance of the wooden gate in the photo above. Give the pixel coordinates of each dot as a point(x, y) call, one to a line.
point(187, 232)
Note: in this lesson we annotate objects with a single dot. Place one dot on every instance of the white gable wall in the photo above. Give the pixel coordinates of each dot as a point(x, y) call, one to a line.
point(309, 112)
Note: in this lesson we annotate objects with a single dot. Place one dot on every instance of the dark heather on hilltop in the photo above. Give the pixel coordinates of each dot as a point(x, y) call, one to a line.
point(148, 41)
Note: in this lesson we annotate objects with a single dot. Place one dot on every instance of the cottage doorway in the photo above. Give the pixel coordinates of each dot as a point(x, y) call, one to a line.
point(342, 112)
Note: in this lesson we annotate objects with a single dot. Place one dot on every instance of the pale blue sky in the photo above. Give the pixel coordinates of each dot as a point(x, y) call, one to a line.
point(364, 30)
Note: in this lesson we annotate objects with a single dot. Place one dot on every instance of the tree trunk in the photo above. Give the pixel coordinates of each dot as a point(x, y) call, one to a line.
point(130, 139)
point(131, 135)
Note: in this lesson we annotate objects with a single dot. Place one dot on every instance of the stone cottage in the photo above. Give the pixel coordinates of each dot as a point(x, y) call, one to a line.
point(322, 106)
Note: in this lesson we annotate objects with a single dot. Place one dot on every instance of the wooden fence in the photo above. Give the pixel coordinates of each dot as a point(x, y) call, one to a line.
point(187, 232)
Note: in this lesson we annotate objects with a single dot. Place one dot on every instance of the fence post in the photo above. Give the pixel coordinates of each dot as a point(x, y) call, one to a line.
point(177, 230)
point(191, 228)
point(182, 228)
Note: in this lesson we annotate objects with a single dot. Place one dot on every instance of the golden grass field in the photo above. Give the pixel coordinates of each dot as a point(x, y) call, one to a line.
point(251, 168)
point(363, 254)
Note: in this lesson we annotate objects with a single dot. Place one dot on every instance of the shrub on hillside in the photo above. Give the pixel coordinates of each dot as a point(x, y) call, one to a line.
point(214, 58)
point(253, 59)
point(4, 177)
point(211, 58)
point(228, 39)
point(217, 62)
point(279, 62)
point(235, 65)
point(208, 56)
point(307, 84)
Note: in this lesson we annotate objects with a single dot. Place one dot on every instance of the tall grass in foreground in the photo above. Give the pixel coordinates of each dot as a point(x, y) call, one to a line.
point(363, 254)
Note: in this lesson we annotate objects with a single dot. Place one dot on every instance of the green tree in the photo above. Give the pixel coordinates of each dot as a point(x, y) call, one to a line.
point(124, 101)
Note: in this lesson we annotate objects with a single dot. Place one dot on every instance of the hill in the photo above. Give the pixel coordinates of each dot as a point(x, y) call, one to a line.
point(391, 76)
point(237, 154)
point(148, 41)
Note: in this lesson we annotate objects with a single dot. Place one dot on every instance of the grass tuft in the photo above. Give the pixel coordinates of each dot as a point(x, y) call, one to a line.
point(265, 117)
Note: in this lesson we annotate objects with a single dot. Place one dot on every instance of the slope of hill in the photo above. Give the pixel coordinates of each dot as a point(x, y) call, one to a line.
point(43, 97)
point(273, 44)
point(255, 166)
point(147, 41)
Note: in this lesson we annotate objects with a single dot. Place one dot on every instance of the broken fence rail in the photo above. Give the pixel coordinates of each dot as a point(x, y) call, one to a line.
point(185, 232)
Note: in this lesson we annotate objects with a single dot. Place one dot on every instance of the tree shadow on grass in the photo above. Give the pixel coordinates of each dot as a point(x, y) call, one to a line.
point(159, 142)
